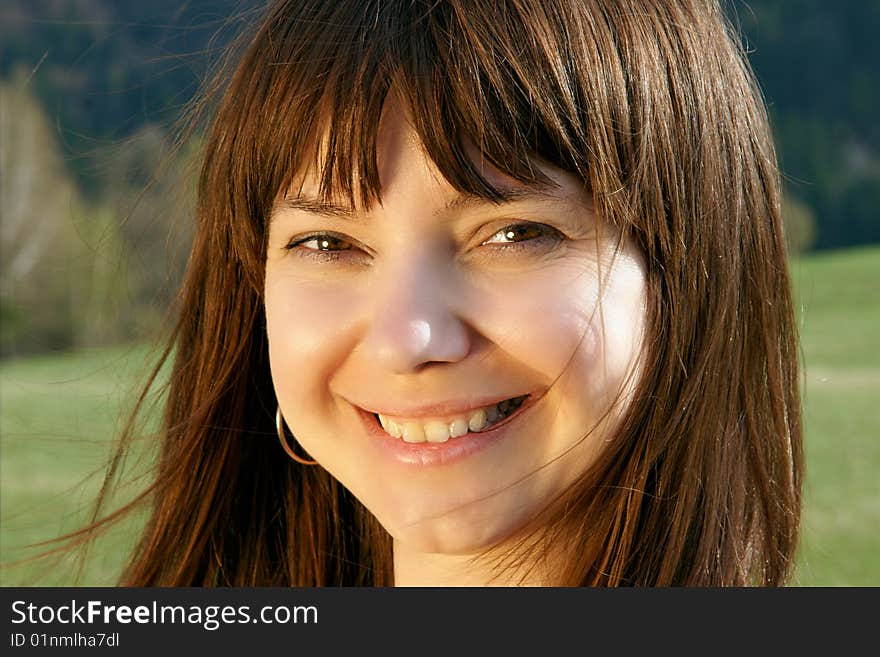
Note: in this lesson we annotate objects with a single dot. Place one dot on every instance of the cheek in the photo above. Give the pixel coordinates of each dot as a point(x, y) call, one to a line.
point(574, 330)
point(606, 363)
point(544, 320)
point(306, 325)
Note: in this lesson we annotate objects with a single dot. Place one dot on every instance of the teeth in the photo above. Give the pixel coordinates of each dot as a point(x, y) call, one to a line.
point(478, 420)
point(457, 428)
point(439, 431)
point(390, 426)
point(413, 432)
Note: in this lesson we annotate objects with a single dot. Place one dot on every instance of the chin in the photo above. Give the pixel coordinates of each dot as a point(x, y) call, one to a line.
point(457, 532)
point(447, 538)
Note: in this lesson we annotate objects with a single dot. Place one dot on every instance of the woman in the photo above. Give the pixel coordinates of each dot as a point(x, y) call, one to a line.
point(508, 282)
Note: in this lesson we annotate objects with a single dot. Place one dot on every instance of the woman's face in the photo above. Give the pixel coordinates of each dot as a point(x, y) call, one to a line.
point(430, 308)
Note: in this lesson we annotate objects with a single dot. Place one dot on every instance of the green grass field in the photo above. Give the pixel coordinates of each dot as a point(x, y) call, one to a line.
point(58, 415)
point(839, 301)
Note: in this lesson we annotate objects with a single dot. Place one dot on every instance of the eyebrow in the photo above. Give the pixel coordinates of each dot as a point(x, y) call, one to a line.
point(462, 202)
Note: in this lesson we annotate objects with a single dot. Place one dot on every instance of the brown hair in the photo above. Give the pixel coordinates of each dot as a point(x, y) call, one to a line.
point(652, 104)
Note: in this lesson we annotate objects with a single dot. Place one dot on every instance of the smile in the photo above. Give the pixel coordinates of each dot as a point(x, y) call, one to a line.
point(451, 449)
point(439, 430)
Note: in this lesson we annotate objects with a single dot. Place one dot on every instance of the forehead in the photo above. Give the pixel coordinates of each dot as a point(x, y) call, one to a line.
point(399, 150)
point(337, 170)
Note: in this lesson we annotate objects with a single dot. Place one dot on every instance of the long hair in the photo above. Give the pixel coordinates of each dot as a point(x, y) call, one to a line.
point(651, 103)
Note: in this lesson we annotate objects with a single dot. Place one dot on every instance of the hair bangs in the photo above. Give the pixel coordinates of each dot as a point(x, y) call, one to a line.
point(471, 105)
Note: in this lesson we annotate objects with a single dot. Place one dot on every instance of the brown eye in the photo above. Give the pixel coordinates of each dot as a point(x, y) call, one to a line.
point(524, 236)
point(322, 242)
point(518, 232)
point(323, 247)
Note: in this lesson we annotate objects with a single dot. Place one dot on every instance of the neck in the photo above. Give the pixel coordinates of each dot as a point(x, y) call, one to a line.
point(415, 568)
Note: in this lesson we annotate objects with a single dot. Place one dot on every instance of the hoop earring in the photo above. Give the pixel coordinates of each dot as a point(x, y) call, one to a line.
point(279, 425)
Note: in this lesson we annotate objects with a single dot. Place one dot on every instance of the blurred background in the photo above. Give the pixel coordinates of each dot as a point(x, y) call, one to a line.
point(96, 202)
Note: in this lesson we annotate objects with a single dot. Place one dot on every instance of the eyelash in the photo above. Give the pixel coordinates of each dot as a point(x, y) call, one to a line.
point(315, 254)
point(331, 256)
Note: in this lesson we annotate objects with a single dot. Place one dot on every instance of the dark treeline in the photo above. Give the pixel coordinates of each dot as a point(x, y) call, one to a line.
point(102, 83)
point(818, 64)
point(104, 68)
point(95, 198)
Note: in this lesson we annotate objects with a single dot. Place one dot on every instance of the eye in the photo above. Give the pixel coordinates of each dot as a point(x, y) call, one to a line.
point(323, 247)
point(525, 236)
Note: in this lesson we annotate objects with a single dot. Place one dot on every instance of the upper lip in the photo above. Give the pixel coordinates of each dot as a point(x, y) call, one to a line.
point(437, 409)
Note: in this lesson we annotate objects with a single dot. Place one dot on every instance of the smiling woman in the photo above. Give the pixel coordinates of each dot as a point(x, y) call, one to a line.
point(395, 359)
point(508, 282)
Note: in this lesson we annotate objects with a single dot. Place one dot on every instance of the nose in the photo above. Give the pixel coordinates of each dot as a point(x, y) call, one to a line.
point(415, 320)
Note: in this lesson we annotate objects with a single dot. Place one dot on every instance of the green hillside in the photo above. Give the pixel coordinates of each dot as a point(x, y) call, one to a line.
point(839, 302)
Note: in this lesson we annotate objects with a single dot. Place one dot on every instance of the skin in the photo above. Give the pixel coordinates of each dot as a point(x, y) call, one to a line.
point(424, 306)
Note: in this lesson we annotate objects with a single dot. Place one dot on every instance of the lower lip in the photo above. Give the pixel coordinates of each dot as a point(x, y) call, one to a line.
point(452, 451)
